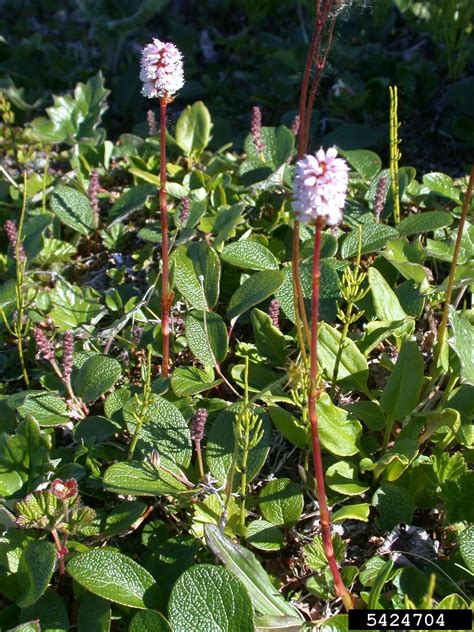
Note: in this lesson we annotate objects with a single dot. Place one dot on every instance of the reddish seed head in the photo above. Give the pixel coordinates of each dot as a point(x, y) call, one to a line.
point(256, 128)
point(45, 347)
point(68, 352)
point(12, 234)
point(199, 422)
point(93, 192)
point(274, 312)
point(184, 214)
point(380, 197)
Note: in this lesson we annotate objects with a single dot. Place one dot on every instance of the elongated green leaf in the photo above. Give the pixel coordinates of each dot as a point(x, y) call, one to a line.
point(47, 408)
point(402, 391)
point(424, 222)
point(197, 272)
point(73, 209)
point(291, 428)
point(94, 614)
point(193, 129)
point(209, 597)
point(374, 237)
point(35, 570)
point(281, 501)
point(270, 341)
point(51, 612)
point(130, 201)
point(365, 162)
point(96, 376)
point(220, 444)
point(189, 380)
point(394, 505)
point(378, 585)
point(149, 621)
point(249, 254)
point(358, 511)
point(115, 577)
point(353, 368)
point(441, 184)
point(253, 291)
point(387, 306)
point(143, 479)
point(242, 563)
point(207, 337)
point(342, 478)
point(462, 342)
point(338, 433)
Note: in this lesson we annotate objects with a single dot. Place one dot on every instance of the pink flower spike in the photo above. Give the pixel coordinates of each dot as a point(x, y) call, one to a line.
point(161, 70)
point(320, 187)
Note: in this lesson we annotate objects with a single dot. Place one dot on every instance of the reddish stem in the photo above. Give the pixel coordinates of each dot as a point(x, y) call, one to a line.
point(316, 445)
point(165, 297)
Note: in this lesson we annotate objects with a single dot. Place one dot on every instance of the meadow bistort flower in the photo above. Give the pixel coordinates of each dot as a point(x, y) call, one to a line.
point(161, 69)
point(320, 187)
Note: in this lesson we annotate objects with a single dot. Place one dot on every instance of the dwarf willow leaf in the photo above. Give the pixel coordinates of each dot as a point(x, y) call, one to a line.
point(116, 577)
point(35, 570)
point(374, 237)
point(402, 391)
point(249, 254)
point(50, 611)
point(143, 479)
point(210, 598)
point(206, 335)
point(193, 129)
point(264, 535)
point(338, 432)
point(96, 376)
point(367, 163)
point(129, 202)
point(342, 478)
point(94, 614)
point(394, 505)
point(281, 502)
point(386, 304)
point(466, 547)
point(424, 222)
point(253, 291)
point(73, 209)
point(149, 621)
point(197, 272)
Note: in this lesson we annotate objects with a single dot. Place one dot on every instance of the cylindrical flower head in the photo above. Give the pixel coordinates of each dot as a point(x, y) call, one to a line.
point(161, 69)
point(198, 423)
point(320, 187)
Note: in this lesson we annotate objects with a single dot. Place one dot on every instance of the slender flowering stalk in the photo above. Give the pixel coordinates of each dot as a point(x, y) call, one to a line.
point(151, 121)
point(320, 187)
point(44, 345)
point(325, 18)
point(162, 76)
point(68, 352)
point(184, 213)
point(12, 234)
point(380, 195)
point(197, 434)
point(256, 128)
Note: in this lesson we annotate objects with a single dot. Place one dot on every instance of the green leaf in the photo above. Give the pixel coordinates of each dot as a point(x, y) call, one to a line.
point(342, 478)
point(281, 502)
point(130, 201)
point(192, 262)
point(209, 348)
point(115, 577)
point(365, 162)
point(368, 412)
point(73, 209)
point(386, 304)
point(337, 623)
point(209, 597)
point(353, 368)
point(370, 570)
point(48, 409)
point(374, 238)
point(394, 505)
point(96, 376)
point(379, 583)
point(402, 391)
point(440, 184)
point(264, 535)
point(188, 380)
point(243, 563)
point(278, 146)
point(35, 570)
point(149, 621)
point(426, 222)
point(253, 291)
point(290, 427)
point(337, 433)
point(221, 439)
point(249, 254)
point(359, 511)
point(466, 547)
point(72, 306)
point(142, 479)
point(193, 129)
point(270, 341)
point(315, 556)
point(24, 458)
point(74, 119)
point(164, 428)
point(123, 516)
point(94, 614)
point(462, 342)
point(51, 612)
